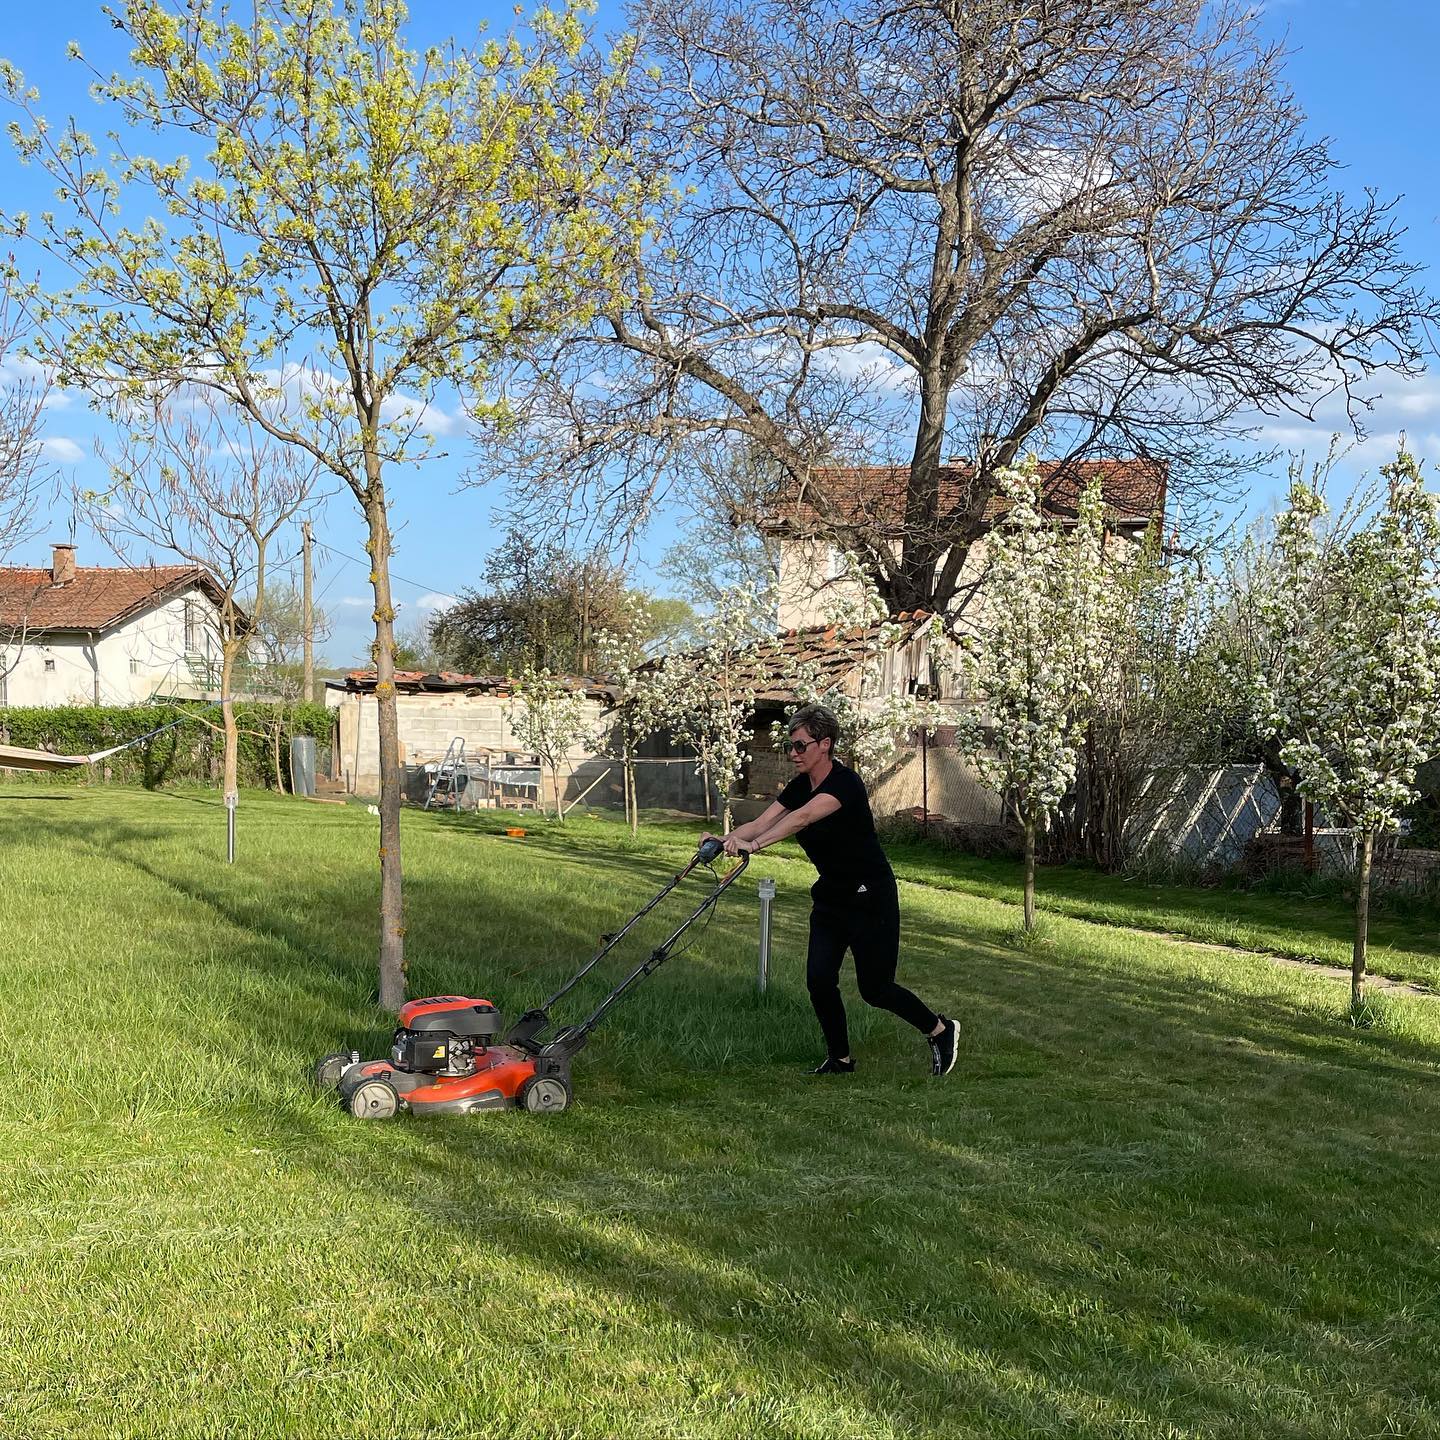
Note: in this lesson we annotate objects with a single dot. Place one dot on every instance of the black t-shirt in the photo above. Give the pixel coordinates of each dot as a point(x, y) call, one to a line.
point(843, 846)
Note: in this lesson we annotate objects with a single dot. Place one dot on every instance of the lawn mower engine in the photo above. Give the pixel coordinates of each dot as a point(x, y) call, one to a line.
point(443, 1062)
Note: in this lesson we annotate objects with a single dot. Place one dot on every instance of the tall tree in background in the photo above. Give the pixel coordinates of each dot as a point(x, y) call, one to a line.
point(541, 607)
point(545, 607)
point(208, 486)
point(1086, 228)
point(23, 391)
point(363, 223)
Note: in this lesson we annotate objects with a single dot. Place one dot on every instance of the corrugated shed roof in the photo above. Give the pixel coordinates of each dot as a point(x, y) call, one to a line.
point(99, 597)
point(835, 651)
point(418, 682)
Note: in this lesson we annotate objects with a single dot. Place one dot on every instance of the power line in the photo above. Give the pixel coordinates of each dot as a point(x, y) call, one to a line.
point(394, 574)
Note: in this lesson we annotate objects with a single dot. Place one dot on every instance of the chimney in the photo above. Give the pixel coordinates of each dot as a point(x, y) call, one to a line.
point(62, 564)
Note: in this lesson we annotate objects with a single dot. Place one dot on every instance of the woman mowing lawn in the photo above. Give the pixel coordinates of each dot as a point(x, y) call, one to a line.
point(857, 906)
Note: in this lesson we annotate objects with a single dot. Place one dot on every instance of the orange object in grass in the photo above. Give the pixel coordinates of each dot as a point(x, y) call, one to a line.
point(513, 831)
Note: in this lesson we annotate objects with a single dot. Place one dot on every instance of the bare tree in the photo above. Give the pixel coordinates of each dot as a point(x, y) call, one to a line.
point(208, 485)
point(23, 391)
point(1084, 228)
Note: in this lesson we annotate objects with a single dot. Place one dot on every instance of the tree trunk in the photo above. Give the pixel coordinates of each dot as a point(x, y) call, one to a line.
point(230, 777)
point(277, 730)
point(1362, 923)
point(1029, 874)
point(555, 792)
point(922, 495)
point(632, 811)
point(392, 906)
point(1286, 782)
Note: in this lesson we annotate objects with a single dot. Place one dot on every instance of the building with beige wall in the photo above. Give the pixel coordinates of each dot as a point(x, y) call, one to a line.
point(435, 710)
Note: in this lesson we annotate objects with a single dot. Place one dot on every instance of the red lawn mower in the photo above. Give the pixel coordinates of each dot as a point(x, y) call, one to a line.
point(448, 1057)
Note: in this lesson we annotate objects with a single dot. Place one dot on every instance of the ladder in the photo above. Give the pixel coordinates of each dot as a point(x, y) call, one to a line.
point(447, 777)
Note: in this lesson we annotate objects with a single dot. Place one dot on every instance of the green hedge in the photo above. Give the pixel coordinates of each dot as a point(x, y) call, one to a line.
point(189, 754)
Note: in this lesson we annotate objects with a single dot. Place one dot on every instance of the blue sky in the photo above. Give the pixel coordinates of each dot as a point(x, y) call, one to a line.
point(1364, 73)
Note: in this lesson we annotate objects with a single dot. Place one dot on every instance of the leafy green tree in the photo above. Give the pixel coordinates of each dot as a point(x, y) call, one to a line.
point(545, 607)
point(363, 224)
point(541, 606)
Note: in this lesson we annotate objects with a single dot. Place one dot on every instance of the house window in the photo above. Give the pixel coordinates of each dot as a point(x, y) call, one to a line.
point(192, 628)
point(49, 667)
point(835, 568)
point(134, 667)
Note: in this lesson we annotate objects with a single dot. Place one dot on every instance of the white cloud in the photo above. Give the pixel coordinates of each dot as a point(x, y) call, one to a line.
point(57, 447)
point(427, 418)
point(434, 601)
point(354, 600)
point(310, 382)
point(17, 371)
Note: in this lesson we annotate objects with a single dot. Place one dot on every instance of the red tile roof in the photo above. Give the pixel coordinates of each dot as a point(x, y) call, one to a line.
point(99, 597)
point(1134, 492)
point(836, 652)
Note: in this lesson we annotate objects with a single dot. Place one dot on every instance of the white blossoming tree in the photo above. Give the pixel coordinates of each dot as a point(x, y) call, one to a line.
point(641, 693)
point(708, 698)
point(1033, 667)
point(1354, 611)
point(548, 717)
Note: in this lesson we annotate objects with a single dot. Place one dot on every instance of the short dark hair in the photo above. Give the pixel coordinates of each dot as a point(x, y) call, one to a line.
point(819, 721)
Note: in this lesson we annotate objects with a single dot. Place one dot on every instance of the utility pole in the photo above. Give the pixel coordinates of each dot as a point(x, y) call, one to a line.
point(307, 615)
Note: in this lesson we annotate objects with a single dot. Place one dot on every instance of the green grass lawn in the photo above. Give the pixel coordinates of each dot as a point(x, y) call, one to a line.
point(1291, 917)
point(1166, 1191)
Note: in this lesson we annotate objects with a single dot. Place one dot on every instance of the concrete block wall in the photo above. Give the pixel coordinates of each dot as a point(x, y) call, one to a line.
point(428, 723)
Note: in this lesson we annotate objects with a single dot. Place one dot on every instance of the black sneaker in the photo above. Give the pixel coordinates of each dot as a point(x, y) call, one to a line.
point(832, 1066)
point(943, 1047)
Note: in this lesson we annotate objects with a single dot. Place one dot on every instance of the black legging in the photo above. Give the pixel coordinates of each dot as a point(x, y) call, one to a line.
point(870, 930)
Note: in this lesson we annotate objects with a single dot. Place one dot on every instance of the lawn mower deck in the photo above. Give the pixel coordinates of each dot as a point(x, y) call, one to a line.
point(449, 1057)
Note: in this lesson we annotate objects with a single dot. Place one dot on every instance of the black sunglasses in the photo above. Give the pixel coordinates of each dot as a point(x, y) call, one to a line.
point(798, 746)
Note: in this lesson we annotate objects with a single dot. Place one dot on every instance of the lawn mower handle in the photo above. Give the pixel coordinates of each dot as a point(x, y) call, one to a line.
point(570, 1040)
point(709, 851)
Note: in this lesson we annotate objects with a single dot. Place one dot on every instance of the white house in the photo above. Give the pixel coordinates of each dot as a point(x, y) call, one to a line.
point(106, 635)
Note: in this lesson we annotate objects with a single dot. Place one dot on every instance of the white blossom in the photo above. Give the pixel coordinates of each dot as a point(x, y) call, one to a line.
point(1351, 615)
point(548, 717)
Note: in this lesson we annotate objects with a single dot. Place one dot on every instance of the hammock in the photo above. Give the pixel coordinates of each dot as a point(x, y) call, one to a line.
point(12, 757)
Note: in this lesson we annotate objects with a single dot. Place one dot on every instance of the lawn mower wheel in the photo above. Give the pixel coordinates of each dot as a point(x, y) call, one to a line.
point(374, 1100)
